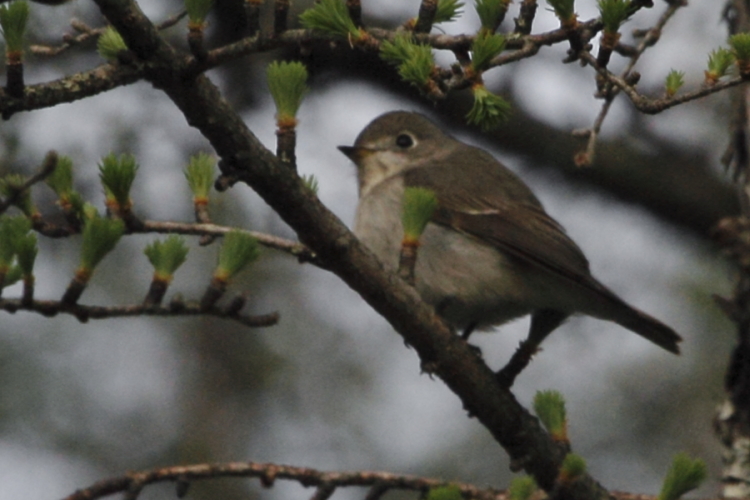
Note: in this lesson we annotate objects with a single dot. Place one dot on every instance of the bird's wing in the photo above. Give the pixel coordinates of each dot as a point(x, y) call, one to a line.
point(494, 206)
point(508, 217)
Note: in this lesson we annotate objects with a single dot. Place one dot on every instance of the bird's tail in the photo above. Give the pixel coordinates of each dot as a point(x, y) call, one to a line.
point(649, 328)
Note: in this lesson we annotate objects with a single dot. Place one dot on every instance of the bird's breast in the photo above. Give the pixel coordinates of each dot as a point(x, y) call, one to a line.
point(466, 281)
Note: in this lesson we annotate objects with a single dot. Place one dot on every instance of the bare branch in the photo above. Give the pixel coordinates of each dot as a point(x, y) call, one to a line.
point(263, 471)
point(177, 308)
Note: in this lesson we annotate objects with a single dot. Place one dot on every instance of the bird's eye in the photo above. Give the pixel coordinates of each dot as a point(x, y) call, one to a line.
point(404, 141)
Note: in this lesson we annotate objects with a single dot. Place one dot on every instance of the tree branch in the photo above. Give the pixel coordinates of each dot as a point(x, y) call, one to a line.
point(268, 473)
point(176, 308)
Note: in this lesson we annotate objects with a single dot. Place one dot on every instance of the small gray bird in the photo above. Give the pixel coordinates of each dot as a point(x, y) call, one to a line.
point(490, 253)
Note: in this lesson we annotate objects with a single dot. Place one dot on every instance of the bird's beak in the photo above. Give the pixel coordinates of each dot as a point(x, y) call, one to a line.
point(355, 153)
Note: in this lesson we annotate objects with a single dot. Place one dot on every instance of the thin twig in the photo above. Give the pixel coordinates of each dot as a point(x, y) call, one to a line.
point(86, 312)
point(654, 106)
point(87, 33)
point(292, 247)
point(305, 476)
point(609, 92)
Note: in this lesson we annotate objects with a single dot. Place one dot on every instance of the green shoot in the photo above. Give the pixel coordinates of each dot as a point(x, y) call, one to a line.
point(110, 44)
point(287, 83)
point(12, 230)
point(550, 408)
point(449, 492)
point(200, 176)
point(26, 251)
point(614, 13)
point(573, 467)
point(675, 79)
point(311, 183)
point(447, 11)
point(99, 238)
point(330, 16)
point(117, 174)
point(719, 61)
point(684, 475)
point(485, 47)
point(489, 110)
point(238, 250)
point(740, 44)
point(521, 488)
point(61, 179)
point(565, 11)
point(491, 13)
point(13, 20)
point(166, 256)
point(12, 276)
point(418, 206)
point(197, 10)
point(415, 61)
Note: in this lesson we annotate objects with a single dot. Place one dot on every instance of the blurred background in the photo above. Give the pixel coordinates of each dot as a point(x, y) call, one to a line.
point(331, 386)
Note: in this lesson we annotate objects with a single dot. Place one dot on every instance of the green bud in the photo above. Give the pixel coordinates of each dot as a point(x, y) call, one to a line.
point(485, 47)
point(564, 10)
point(26, 251)
point(399, 50)
point(197, 10)
point(287, 83)
point(415, 61)
point(76, 204)
point(675, 79)
point(117, 174)
point(489, 110)
point(719, 61)
point(740, 44)
point(573, 466)
point(447, 11)
point(449, 492)
point(99, 238)
point(110, 44)
point(200, 174)
point(13, 19)
point(237, 250)
point(61, 179)
point(166, 256)
point(684, 475)
point(12, 276)
point(12, 230)
point(89, 211)
point(491, 13)
point(521, 488)
point(418, 206)
point(614, 13)
point(330, 16)
point(550, 408)
point(418, 69)
point(311, 183)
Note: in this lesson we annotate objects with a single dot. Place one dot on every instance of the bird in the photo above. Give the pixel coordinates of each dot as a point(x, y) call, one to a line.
point(490, 252)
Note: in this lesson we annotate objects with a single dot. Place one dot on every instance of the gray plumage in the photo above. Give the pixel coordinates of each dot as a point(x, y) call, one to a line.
point(490, 253)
